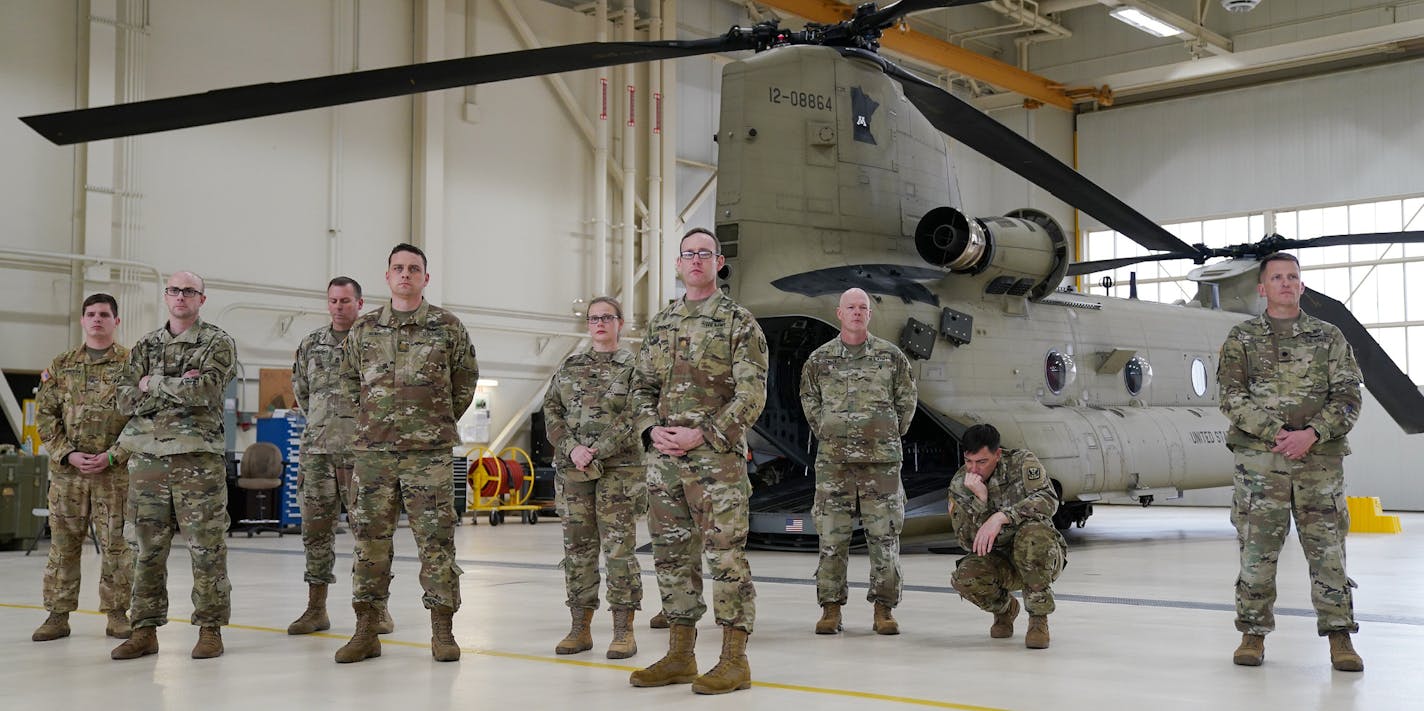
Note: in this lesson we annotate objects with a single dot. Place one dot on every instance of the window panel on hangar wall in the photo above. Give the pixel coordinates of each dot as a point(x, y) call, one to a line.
point(1376, 293)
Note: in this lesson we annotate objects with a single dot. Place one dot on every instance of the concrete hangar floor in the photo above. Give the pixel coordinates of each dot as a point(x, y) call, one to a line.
point(1144, 621)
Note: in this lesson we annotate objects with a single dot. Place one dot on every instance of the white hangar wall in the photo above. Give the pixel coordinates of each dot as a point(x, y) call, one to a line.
point(37, 65)
point(1342, 137)
point(268, 209)
point(1355, 135)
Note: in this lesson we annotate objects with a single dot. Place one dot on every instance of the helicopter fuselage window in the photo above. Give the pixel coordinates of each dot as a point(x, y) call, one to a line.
point(1198, 377)
point(1137, 374)
point(1059, 371)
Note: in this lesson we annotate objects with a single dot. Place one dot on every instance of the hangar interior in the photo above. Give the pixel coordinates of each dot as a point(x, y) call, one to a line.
point(532, 196)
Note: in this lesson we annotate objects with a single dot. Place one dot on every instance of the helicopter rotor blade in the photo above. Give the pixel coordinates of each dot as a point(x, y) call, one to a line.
point(254, 100)
point(1102, 265)
point(888, 15)
point(1390, 386)
point(999, 143)
point(1368, 238)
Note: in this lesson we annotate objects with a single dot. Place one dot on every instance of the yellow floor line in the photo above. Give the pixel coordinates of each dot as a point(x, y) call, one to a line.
point(907, 700)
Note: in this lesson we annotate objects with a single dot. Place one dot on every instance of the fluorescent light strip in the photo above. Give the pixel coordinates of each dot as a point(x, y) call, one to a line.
point(1145, 22)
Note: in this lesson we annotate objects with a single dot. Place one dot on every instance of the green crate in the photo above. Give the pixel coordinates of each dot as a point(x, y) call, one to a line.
point(23, 479)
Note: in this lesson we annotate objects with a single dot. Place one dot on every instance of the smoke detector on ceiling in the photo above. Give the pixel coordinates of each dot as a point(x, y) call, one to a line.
point(1240, 5)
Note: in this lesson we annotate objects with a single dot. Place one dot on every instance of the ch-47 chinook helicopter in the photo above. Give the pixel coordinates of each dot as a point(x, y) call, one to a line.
point(834, 172)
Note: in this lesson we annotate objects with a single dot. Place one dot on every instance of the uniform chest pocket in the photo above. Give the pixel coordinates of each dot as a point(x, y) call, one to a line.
point(660, 345)
point(832, 379)
point(424, 361)
point(715, 346)
point(1261, 360)
point(869, 382)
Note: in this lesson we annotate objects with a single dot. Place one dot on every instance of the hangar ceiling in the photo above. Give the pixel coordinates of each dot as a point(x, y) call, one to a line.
point(1007, 52)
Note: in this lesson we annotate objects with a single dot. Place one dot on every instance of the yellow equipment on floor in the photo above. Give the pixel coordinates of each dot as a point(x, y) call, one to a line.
point(502, 483)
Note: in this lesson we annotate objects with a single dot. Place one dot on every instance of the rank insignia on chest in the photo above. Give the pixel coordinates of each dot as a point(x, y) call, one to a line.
point(403, 346)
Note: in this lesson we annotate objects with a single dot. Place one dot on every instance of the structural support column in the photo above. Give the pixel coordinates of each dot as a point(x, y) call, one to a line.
point(427, 194)
point(345, 23)
point(78, 196)
point(630, 186)
point(600, 162)
point(671, 228)
point(652, 240)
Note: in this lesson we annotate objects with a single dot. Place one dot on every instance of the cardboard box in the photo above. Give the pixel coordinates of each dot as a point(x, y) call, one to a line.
point(274, 390)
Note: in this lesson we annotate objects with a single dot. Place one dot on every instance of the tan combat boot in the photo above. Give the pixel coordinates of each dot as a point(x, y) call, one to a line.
point(142, 642)
point(830, 622)
point(658, 621)
point(1251, 652)
point(1003, 626)
point(1037, 635)
point(884, 621)
point(314, 619)
point(1342, 653)
point(364, 643)
point(55, 626)
point(579, 638)
point(384, 623)
point(209, 643)
point(442, 634)
point(732, 672)
point(118, 626)
point(623, 644)
point(679, 666)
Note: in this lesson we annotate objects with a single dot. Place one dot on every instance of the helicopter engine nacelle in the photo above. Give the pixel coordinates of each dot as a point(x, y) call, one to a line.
point(1023, 253)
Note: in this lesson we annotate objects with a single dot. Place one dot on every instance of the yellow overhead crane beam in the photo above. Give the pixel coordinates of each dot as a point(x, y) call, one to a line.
point(923, 47)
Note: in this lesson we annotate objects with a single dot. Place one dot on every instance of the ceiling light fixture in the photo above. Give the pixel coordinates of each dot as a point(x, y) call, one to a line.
point(1145, 22)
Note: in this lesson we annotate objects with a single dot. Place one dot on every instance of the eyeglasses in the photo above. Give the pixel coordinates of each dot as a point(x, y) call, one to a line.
point(703, 254)
point(606, 318)
point(175, 291)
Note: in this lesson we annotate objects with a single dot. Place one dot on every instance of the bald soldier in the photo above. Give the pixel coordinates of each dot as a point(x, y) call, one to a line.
point(698, 386)
point(173, 389)
point(411, 370)
point(78, 419)
point(859, 397)
point(1291, 389)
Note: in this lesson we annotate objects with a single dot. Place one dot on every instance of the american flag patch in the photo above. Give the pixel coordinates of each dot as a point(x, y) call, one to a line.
point(794, 525)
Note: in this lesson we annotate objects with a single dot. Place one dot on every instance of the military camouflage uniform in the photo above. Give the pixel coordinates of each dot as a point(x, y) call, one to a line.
point(587, 404)
point(412, 376)
point(1299, 374)
point(1029, 552)
point(77, 411)
point(326, 448)
point(176, 469)
point(702, 365)
point(859, 401)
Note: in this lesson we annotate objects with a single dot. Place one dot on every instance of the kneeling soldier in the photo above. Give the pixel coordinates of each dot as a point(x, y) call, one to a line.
point(1002, 505)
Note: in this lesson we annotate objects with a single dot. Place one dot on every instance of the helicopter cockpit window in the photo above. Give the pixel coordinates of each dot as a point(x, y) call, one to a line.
point(1059, 371)
point(1198, 377)
point(1137, 374)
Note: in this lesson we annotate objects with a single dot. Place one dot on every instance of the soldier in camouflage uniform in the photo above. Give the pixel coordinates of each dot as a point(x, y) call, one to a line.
point(859, 397)
point(1001, 503)
point(324, 478)
point(411, 370)
point(699, 385)
point(601, 479)
point(79, 422)
point(1291, 388)
point(173, 389)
